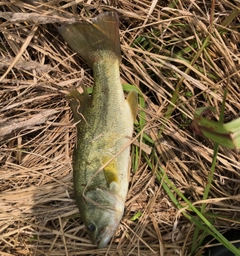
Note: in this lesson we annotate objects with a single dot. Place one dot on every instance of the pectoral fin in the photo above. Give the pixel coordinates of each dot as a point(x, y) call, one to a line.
point(110, 172)
point(132, 100)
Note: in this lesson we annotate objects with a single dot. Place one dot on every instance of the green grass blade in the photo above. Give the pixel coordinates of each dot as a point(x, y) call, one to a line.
point(202, 222)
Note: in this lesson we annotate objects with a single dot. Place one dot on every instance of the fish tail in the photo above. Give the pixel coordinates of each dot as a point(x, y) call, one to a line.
point(89, 39)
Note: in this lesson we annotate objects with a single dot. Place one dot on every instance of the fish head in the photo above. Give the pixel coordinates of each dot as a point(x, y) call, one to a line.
point(102, 212)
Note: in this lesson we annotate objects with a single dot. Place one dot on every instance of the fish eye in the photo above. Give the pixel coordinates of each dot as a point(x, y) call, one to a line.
point(91, 227)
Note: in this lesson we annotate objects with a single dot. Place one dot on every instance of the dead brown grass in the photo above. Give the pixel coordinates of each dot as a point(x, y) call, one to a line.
point(38, 214)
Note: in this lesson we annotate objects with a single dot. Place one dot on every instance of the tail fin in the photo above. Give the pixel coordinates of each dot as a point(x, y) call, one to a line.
point(89, 38)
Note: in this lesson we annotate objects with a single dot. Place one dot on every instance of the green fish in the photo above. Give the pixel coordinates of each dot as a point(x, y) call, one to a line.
point(101, 158)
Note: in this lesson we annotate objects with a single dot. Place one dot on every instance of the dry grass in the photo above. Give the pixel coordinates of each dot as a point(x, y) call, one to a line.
point(168, 47)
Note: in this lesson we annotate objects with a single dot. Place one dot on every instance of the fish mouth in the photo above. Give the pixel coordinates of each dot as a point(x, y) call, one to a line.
point(105, 237)
point(104, 242)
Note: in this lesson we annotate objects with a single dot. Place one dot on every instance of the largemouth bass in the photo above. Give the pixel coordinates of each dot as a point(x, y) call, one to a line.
point(105, 125)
